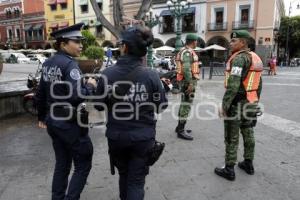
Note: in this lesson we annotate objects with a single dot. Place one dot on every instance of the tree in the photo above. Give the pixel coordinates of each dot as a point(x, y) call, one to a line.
point(118, 15)
point(294, 35)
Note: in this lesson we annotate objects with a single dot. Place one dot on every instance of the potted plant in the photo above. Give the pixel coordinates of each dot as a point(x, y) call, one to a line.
point(92, 55)
point(1, 63)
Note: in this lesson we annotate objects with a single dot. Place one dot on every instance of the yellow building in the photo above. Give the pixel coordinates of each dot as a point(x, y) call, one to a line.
point(59, 14)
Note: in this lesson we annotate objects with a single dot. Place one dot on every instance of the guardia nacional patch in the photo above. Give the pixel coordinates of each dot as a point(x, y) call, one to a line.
point(237, 71)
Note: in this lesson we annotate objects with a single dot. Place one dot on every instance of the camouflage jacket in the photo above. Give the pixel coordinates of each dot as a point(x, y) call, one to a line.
point(235, 90)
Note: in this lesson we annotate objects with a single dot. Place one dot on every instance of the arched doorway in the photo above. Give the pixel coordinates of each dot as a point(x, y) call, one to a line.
point(251, 44)
point(157, 43)
point(48, 46)
point(201, 43)
point(171, 42)
point(219, 56)
point(107, 43)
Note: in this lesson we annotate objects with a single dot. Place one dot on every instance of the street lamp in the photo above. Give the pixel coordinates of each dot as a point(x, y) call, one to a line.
point(287, 53)
point(150, 22)
point(178, 9)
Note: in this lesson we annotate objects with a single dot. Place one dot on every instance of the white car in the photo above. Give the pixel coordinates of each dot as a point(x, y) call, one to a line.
point(19, 57)
point(37, 58)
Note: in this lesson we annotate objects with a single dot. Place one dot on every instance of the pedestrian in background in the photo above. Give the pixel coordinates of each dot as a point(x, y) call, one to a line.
point(109, 57)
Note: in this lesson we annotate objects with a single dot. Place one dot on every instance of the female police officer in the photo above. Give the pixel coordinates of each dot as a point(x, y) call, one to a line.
point(130, 118)
point(58, 96)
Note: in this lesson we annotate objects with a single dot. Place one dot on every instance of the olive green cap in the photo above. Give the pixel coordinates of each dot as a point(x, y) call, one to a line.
point(191, 37)
point(240, 34)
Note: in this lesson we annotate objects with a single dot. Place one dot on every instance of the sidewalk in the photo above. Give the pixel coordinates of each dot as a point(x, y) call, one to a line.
point(185, 170)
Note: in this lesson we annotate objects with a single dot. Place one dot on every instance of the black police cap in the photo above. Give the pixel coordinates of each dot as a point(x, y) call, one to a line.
point(72, 32)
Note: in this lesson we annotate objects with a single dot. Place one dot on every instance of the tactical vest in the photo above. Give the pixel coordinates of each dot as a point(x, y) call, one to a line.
point(194, 64)
point(252, 80)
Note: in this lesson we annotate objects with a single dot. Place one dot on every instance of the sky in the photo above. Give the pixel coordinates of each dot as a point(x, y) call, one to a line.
point(294, 10)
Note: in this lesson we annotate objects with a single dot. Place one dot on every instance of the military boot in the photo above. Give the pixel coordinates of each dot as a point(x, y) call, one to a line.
point(226, 172)
point(247, 166)
point(182, 133)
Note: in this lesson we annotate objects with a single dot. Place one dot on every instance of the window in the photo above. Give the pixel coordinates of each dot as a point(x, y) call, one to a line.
point(84, 8)
point(100, 5)
point(245, 15)
point(219, 17)
point(168, 24)
point(17, 12)
point(54, 29)
point(53, 7)
point(10, 34)
point(64, 6)
point(188, 23)
point(99, 30)
point(39, 34)
point(18, 34)
point(8, 13)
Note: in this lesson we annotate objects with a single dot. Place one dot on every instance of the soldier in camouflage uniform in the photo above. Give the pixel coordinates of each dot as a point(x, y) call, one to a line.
point(239, 105)
point(187, 75)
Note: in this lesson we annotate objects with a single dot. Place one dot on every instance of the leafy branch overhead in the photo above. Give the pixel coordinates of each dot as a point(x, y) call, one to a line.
point(119, 18)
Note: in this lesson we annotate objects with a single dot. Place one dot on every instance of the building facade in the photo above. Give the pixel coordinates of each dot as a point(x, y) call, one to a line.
point(34, 25)
point(11, 24)
point(59, 14)
point(85, 13)
point(193, 21)
point(260, 18)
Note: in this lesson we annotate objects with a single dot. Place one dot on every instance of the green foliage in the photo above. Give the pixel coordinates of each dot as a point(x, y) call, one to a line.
point(90, 39)
point(294, 34)
point(94, 52)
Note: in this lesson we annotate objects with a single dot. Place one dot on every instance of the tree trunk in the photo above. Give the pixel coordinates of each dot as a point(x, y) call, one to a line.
point(145, 6)
point(104, 21)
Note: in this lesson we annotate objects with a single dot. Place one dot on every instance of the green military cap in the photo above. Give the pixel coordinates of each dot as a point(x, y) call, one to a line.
point(240, 34)
point(191, 37)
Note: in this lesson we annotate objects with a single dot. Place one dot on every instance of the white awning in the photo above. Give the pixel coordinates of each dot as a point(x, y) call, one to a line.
point(82, 2)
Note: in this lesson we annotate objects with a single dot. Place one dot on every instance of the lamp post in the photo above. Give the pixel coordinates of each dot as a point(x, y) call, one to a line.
point(150, 22)
point(178, 9)
point(287, 52)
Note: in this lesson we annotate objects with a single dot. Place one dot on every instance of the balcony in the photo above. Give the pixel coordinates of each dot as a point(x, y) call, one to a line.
point(34, 39)
point(217, 26)
point(243, 25)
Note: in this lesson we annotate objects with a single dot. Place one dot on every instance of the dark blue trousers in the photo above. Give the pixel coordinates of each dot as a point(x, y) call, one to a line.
point(130, 159)
point(79, 152)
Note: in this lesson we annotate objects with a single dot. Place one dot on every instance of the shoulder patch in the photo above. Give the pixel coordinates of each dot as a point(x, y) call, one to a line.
point(237, 71)
point(75, 74)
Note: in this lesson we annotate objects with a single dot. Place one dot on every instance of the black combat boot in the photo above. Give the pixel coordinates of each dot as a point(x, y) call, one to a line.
point(226, 172)
point(182, 133)
point(247, 166)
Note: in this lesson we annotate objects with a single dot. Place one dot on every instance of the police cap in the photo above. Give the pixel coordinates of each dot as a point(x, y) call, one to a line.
point(240, 34)
point(72, 32)
point(191, 37)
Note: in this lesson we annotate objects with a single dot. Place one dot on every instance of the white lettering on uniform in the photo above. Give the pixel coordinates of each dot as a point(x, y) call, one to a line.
point(237, 71)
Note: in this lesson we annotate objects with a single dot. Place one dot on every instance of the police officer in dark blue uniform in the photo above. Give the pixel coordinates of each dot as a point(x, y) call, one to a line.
point(58, 97)
point(131, 124)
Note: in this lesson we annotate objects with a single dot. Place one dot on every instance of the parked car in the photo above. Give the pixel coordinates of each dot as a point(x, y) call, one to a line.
point(37, 58)
point(160, 61)
point(16, 58)
point(295, 62)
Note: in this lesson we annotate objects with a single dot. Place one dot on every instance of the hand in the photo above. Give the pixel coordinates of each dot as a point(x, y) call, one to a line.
point(42, 125)
point(92, 81)
point(190, 89)
point(222, 113)
point(167, 81)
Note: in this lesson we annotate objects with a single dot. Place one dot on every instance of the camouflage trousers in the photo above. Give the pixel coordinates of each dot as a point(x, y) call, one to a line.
point(186, 101)
point(240, 119)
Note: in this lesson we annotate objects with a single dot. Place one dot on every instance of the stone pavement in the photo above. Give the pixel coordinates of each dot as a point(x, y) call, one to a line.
point(185, 170)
